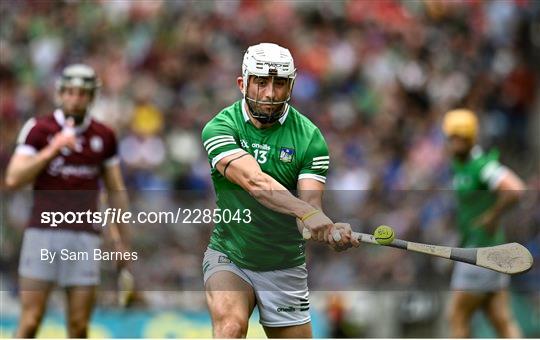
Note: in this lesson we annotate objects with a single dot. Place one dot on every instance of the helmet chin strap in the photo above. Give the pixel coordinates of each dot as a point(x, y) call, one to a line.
point(263, 117)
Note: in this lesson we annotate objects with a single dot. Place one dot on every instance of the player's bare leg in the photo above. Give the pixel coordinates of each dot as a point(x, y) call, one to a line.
point(462, 307)
point(34, 295)
point(230, 302)
point(498, 311)
point(300, 331)
point(80, 302)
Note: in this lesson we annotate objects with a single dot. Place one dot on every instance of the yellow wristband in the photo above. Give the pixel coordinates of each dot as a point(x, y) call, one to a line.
point(309, 214)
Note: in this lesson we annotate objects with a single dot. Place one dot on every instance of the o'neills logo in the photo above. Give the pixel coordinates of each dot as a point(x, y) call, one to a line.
point(57, 167)
point(286, 309)
point(261, 147)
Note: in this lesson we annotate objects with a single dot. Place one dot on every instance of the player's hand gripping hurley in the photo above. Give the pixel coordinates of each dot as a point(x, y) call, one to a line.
point(316, 221)
point(508, 258)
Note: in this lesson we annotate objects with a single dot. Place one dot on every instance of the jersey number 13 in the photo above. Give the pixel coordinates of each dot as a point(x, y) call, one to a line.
point(260, 156)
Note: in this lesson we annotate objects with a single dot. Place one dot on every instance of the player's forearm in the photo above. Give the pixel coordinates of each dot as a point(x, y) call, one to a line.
point(275, 196)
point(313, 198)
point(509, 191)
point(21, 172)
point(505, 200)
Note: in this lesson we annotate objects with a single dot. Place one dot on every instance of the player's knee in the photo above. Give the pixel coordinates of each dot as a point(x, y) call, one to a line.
point(457, 317)
point(231, 327)
point(28, 326)
point(459, 322)
point(500, 320)
point(78, 328)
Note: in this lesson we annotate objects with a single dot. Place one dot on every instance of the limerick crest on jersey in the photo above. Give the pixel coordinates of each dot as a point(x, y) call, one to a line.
point(286, 155)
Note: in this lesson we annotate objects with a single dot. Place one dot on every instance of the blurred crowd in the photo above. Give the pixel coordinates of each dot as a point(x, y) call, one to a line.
point(375, 76)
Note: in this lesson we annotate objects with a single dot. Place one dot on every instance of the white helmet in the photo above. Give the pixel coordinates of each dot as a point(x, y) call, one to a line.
point(78, 75)
point(268, 60)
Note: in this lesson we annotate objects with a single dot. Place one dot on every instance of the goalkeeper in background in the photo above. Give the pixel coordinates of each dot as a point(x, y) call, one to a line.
point(485, 189)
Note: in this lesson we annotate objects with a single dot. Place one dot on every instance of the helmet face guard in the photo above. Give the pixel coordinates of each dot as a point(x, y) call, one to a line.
point(279, 107)
point(272, 62)
point(77, 76)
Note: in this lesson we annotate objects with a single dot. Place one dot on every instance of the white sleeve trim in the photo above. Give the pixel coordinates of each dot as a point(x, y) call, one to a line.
point(217, 141)
point(321, 158)
point(220, 145)
point(488, 170)
point(497, 177)
point(207, 143)
point(25, 149)
point(313, 176)
point(224, 154)
point(492, 174)
point(27, 127)
point(114, 160)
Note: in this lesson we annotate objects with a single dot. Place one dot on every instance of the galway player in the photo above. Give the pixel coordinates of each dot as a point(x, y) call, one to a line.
point(485, 189)
point(65, 154)
point(259, 149)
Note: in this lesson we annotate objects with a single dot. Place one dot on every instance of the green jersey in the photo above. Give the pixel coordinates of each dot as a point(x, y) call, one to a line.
point(290, 150)
point(474, 183)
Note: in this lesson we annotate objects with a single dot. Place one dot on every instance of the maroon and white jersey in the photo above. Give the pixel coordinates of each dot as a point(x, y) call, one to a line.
point(71, 180)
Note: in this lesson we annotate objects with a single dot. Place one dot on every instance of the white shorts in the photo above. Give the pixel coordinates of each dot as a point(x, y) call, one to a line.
point(65, 269)
point(473, 278)
point(282, 296)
